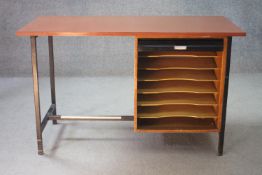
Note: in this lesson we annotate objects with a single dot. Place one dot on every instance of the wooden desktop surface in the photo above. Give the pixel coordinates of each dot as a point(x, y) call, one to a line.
point(139, 26)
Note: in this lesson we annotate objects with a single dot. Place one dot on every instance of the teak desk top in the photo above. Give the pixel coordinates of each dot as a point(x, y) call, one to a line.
point(139, 26)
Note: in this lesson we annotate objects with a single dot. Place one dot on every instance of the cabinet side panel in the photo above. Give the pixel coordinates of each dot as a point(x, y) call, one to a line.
point(135, 81)
point(222, 84)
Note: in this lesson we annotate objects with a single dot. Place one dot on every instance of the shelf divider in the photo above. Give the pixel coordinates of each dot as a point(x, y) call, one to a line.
point(158, 87)
point(177, 125)
point(166, 111)
point(167, 63)
point(163, 75)
point(176, 98)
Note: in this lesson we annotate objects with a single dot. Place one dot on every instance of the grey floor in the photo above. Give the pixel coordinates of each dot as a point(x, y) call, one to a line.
point(112, 147)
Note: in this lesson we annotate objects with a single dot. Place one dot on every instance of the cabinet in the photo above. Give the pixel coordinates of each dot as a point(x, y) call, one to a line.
point(180, 84)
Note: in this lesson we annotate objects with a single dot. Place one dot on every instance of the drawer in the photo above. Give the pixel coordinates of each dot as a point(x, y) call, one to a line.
point(149, 45)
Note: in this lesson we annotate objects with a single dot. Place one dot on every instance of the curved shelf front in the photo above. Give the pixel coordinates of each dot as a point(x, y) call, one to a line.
point(176, 111)
point(176, 86)
point(177, 63)
point(163, 75)
point(176, 98)
point(177, 124)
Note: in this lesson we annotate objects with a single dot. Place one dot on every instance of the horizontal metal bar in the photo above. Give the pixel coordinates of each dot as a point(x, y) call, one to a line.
point(102, 118)
point(46, 118)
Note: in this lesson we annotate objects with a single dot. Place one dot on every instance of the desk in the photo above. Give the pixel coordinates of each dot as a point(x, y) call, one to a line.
point(181, 69)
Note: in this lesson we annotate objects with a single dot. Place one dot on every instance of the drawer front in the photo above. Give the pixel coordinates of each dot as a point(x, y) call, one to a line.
point(149, 45)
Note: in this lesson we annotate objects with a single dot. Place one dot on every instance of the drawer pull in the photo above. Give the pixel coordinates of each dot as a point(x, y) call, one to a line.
point(180, 47)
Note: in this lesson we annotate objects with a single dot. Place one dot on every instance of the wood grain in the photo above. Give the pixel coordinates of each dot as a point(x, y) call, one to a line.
point(140, 26)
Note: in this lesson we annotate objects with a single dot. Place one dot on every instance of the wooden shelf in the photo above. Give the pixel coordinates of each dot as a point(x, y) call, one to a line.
point(177, 63)
point(174, 54)
point(176, 98)
point(176, 111)
point(163, 75)
point(176, 86)
point(176, 125)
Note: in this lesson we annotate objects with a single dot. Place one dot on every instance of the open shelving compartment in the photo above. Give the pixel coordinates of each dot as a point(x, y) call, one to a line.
point(178, 85)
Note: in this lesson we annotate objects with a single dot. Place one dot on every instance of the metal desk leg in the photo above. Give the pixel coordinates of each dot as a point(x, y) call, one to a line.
point(224, 110)
point(36, 96)
point(52, 74)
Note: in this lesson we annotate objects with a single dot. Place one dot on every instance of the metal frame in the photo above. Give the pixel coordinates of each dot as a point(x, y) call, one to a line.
point(36, 97)
point(100, 118)
point(52, 74)
point(52, 113)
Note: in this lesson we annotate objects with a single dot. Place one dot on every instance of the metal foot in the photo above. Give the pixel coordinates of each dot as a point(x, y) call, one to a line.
point(220, 144)
point(40, 147)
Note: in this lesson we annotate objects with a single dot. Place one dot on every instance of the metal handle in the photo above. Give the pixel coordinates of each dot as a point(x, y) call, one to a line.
point(180, 47)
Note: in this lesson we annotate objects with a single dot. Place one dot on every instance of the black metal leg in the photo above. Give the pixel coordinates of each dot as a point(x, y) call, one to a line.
point(224, 110)
point(52, 74)
point(221, 143)
point(36, 96)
